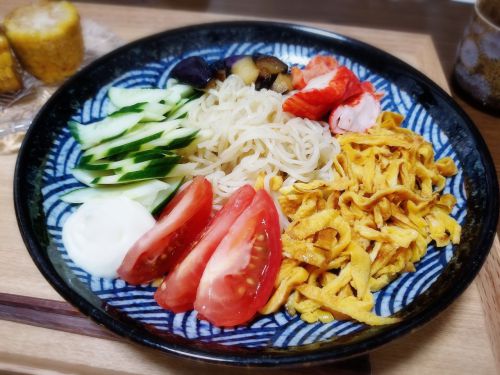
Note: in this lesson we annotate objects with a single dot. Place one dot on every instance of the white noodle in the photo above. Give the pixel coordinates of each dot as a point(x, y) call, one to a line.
point(245, 132)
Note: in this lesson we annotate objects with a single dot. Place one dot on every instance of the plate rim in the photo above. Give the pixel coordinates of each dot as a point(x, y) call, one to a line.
point(319, 356)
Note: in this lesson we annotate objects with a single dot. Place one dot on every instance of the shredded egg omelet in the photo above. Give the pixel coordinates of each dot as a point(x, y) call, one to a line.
point(351, 236)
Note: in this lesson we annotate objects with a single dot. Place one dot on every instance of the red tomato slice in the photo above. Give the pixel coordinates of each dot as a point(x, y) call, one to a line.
point(239, 277)
point(178, 291)
point(159, 249)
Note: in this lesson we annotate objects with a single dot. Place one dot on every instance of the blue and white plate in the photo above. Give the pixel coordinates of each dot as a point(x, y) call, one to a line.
point(49, 152)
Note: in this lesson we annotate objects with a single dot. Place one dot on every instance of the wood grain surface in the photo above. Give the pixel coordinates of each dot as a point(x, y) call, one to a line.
point(463, 339)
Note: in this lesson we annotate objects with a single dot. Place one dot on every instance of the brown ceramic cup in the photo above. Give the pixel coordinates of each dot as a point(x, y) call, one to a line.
point(477, 69)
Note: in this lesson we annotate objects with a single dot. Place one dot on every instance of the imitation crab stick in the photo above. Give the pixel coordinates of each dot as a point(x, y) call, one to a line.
point(325, 87)
point(357, 114)
point(322, 93)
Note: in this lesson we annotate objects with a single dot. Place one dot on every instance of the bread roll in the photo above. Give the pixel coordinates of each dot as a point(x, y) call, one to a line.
point(10, 79)
point(47, 39)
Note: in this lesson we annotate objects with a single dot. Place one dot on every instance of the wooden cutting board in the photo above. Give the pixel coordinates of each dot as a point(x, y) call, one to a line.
point(41, 333)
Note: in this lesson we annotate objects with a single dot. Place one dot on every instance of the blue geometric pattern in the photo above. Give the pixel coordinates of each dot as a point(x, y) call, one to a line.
point(278, 330)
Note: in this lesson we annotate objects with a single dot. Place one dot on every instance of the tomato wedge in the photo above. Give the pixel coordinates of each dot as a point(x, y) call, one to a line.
point(239, 277)
point(159, 249)
point(178, 291)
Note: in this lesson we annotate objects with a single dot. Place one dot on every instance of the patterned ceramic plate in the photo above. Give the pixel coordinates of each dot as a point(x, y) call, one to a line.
point(43, 173)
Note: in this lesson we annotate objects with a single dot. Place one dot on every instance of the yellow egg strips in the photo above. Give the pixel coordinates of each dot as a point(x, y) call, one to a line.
point(351, 236)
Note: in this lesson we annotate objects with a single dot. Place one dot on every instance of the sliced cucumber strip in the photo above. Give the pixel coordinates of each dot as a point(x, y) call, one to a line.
point(136, 108)
point(164, 196)
point(131, 147)
point(136, 191)
point(181, 138)
point(123, 97)
point(147, 164)
point(177, 138)
point(117, 124)
point(147, 155)
point(101, 131)
point(182, 170)
point(150, 111)
point(86, 177)
point(126, 97)
point(129, 142)
point(133, 159)
point(171, 82)
point(176, 107)
point(177, 92)
point(156, 171)
point(182, 110)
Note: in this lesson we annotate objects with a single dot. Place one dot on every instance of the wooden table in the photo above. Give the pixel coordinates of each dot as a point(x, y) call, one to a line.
point(41, 333)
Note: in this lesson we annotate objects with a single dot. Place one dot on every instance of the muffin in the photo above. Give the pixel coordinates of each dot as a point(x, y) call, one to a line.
point(10, 79)
point(47, 39)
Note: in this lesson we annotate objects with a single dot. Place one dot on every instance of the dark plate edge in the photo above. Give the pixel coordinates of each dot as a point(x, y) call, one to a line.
point(322, 355)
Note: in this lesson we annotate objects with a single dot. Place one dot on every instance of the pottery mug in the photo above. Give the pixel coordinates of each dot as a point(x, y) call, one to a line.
point(477, 69)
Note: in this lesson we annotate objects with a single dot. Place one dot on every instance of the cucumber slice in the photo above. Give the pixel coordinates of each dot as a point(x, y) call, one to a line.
point(131, 159)
point(182, 170)
point(177, 92)
point(147, 164)
point(156, 171)
point(142, 155)
point(136, 108)
point(176, 107)
point(104, 130)
point(181, 138)
point(150, 111)
point(182, 110)
point(136, 191)
point(117, 123)
point(165, 196)
point(86, 177)
point(177, 138)
point(123, 97)
point(171, 82)
point(129, 142)
point(147, 155)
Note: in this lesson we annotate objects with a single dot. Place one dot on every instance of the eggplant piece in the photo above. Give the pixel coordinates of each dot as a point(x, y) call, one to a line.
point(269, 65)
point(246, 69)
point(221, 71)
point(231, 60)
point(264, 82)
point(194, 71)
point(282, 83)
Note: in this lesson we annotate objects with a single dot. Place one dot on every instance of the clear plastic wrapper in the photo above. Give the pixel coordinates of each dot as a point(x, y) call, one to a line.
point(17, 110)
